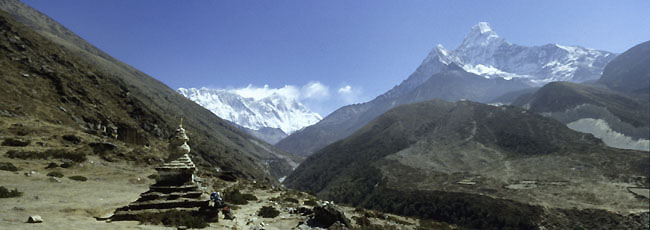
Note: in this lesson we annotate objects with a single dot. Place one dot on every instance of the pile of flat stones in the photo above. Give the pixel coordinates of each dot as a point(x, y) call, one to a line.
point(175, 188)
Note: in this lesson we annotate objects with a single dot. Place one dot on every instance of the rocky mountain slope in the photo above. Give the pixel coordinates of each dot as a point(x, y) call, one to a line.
point(619, 120)
point(274, 111)
point(55, 76)
point(479, 166)
point(499, 67)
point(629, 73)
point(616, 109)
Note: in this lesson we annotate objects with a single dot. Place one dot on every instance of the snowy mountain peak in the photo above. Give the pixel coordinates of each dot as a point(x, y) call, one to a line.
point(483, 28)
point(255, 108)
point(481, 35)
point(443, 55)
point(486, 54)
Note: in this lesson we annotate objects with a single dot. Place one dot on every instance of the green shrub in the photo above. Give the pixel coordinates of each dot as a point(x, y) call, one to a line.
point(8, 166)
point(361, 220)
point(25, 155)
point(291, 200)
point(66, 165)
point(6, 193)
point(235, 197)
point(15, 142)
point(310, 202)
point(268, 212)
point(50, 153)
point(78, 178)
point(55, 174)
point(174, 218)
point(64, 154)
point(51, 165)
point(249, 197)
point(430, 224)
point(466, 210)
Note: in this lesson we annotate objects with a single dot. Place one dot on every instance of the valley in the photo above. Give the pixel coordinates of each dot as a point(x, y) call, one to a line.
point(489, 135)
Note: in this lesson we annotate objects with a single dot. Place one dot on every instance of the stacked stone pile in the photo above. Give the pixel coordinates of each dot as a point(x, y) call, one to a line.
point(175, 188)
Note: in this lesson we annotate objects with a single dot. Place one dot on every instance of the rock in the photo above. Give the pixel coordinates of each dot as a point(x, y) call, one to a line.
point(30, 173)
point(54, 179)
point(303, 211)
point(34, 219)
point(326, 215)
point(337, 226)
point(72, 138)
point(303, 226)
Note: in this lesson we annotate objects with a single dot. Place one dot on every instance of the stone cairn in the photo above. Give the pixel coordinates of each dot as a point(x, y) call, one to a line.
point(175, 188)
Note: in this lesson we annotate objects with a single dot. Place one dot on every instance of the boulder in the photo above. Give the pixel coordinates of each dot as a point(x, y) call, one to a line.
point(34, 219)
point(326, 215)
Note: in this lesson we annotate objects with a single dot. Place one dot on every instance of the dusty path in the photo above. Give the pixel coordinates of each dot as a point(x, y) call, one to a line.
point(71, 204)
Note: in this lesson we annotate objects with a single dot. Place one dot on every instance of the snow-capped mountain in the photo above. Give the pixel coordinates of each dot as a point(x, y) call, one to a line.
point(483, 67)
point(484, 53)
point(273, 110)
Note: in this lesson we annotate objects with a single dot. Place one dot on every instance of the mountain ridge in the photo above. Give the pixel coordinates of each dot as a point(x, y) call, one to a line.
point(151, 108)
point(615, 108)
point(344, 121)
point(270, 111)
point(431, 158)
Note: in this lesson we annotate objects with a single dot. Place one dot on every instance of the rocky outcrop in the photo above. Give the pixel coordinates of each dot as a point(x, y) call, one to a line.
point(327, 215)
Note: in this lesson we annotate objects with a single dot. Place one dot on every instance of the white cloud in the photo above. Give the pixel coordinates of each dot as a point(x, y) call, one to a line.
point(257, 93)
point(350, 95)
point(315, 95)
point(315, 91)
point(345, 89)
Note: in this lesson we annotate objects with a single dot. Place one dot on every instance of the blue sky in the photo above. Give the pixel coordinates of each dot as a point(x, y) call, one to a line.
point(337, 52)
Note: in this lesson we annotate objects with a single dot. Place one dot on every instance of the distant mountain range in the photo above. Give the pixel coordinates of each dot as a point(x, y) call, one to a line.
point(481, 69)
point(269, 118)
point(616, 109)
point(501, 166)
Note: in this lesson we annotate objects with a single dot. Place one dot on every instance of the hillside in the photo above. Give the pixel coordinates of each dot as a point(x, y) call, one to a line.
point(629, 72)
point(616, 109)
point(619, 120)
point(451, 84)
point(56, 77)
point(466, 163)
